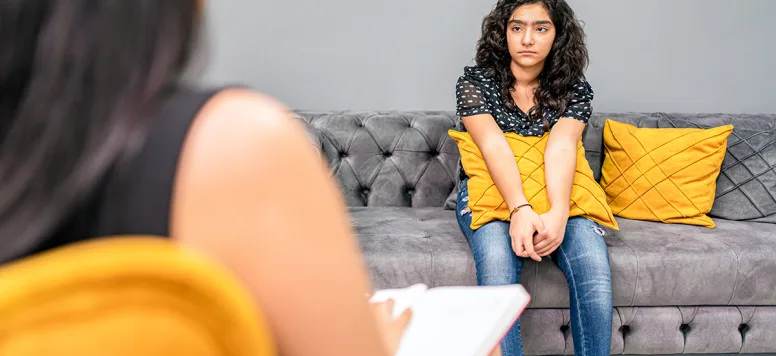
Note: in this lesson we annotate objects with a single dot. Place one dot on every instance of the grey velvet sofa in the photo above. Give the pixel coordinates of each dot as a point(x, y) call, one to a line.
point(677, 289)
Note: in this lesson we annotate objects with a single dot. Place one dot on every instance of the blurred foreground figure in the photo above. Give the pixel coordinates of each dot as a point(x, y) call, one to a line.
point(99, 138)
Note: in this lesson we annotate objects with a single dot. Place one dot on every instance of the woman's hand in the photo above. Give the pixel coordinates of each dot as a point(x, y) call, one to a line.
point(391, 330)
point(496, 351)
point(555, 223)
point(524, 223)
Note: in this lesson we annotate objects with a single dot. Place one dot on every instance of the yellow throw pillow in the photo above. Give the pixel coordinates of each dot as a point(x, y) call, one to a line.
point(662, 174)
point(487, 204)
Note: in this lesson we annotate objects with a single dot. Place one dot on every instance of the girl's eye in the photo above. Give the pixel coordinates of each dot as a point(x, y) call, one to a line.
point(543, 29)
point(516, 28)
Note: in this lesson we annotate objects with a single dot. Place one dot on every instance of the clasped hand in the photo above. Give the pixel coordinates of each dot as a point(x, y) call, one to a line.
point(535, 235)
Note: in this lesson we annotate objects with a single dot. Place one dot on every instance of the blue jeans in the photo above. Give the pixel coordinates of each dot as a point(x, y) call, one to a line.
point(583, 258)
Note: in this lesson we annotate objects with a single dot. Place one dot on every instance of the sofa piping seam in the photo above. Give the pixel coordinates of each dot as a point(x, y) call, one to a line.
point(638, 269)
point(738, 263)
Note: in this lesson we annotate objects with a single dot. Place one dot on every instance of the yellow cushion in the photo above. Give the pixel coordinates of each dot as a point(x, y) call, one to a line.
point(487, 204)
point(662, 174)
point(128, 296)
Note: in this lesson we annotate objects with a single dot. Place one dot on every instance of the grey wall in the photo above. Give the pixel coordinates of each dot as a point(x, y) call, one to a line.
point(647, 55)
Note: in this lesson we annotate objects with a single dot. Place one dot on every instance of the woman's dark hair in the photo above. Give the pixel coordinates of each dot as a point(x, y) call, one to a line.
point(564, 66)
point(77, 80)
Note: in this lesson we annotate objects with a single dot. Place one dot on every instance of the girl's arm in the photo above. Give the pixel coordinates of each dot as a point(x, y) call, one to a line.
point(478, 119)
point(560, 163)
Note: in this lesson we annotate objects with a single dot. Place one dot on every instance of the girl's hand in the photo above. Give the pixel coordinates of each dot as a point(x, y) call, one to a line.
point(547, 243)
point(524, 224)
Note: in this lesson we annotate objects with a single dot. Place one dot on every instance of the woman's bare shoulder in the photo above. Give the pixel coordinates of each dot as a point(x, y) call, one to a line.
point(253, 193)
point(245, 127)
point(240, 143)
point(242, 116)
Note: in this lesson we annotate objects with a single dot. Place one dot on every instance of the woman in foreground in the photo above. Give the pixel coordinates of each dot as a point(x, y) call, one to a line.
point(529, 79)
point(99, 138)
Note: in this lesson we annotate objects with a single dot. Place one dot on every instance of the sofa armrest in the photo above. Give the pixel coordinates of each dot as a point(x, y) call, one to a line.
point(312, 132)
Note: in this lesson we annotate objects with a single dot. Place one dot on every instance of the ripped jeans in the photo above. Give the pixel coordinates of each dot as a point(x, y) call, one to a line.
point(583, 258)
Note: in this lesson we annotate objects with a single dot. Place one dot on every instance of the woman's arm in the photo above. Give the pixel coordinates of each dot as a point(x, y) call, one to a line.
point(252, 193)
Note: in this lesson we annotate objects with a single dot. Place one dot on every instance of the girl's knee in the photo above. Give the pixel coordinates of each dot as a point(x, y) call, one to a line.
point(496, 256)
point(492, 238)
point(496, 262)
point(586, 238)
point(584, 226)
point(494, 274)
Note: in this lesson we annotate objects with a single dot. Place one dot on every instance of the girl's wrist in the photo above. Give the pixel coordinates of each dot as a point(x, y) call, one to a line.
point(560, 212)
point(519, 208)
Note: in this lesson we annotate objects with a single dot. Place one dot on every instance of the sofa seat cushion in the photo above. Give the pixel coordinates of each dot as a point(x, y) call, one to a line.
point(732, 264)
point(653, 264)
point(404, 246)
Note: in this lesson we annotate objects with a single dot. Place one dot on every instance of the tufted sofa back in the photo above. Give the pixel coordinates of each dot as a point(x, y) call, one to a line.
point(406, 158)
point(746, 186)
point(396, 159)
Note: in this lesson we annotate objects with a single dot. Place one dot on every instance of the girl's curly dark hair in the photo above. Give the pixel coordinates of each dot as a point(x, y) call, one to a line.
point(564, 66)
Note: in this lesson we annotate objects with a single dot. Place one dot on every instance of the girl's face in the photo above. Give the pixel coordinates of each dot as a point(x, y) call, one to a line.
point(530, 35)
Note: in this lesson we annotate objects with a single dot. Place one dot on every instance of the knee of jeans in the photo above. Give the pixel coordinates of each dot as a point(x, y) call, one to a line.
point(498, 272)
point(581, 222)
point(496, 257)
point(585, 240)
point(493, 254)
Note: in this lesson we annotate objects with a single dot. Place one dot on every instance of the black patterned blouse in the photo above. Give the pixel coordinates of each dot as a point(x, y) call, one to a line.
point(477, 94)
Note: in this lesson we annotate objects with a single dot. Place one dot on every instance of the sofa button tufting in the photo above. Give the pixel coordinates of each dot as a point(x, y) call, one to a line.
point(343, 154)
point(387, 154)
point(625, 329)
point(743, 328)
point(684, 328)
point(564, 328)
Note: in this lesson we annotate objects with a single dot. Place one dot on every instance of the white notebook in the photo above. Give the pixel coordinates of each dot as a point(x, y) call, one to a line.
point(455, 321)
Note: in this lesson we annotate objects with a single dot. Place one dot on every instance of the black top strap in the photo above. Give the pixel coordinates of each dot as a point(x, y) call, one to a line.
point(134, 198)
point(138, 198)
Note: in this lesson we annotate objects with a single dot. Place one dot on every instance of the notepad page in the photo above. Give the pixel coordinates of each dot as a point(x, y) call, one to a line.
point(462, 321)
point(403, 298)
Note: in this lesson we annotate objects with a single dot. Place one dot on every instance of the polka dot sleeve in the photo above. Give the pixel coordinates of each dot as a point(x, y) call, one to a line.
point(470, 99)
point(580, 106)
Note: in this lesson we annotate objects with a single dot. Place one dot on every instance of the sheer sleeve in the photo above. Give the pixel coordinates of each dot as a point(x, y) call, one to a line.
point(470, 99)
point(580, 106)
